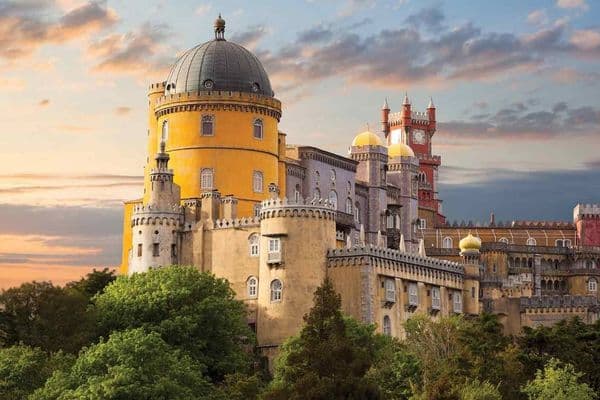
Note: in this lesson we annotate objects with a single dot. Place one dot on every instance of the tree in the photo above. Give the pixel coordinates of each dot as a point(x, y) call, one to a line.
point(192, 311)
point(24, 369)
point(323, 362)
point(476, 390)
point(94, 282)
point(129, 365)
point(42, 315)
point(558, 382)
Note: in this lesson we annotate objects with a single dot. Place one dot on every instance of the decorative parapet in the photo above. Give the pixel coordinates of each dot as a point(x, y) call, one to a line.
point(218, 100)
point(149, 209)
point(379, 255)
point(559, 302)
point(316, 208)
point(515, 248)
point(236, 223)
point(313, 153)
point(586, 210)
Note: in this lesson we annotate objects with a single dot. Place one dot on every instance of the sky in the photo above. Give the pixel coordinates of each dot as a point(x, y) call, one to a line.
point(515, 83)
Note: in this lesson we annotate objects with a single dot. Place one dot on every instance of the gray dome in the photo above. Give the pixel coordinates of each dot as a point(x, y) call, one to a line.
point(218, 65)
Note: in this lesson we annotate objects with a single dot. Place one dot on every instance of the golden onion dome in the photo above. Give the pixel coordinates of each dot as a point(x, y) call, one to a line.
point(469, 243)
point(367, 138)
point(400, 150)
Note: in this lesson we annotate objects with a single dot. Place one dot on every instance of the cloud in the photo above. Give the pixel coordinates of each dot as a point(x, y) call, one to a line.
point(315, 34)
point(136, 52)
point(12, 85)
point(586, 40)
point(122, 110)
point(44, 103)
point(430, 19)
point(537, 17)
point(521, 122)
point(203, 9)
point(250, 37)
point(577, 4)
point(24, 26)
point(571, 75)
point(475, 201)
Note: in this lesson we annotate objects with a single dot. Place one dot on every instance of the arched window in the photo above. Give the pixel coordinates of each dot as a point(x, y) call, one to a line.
point(207, 178)
point(447, 242)
point(164, 134)
point(297, 193)
point(503, 240)
point(349, 187)
point(253, 243)
point(387, 326)
point(357, 212)
point(333, 199)
point(567, 242)
point(208, 125)
point(531, 241)
point(258, 128)
point(257, 181)
point(276, 290)
point(559, 243)
point(349, 205)
point(317, 194)
point(257, 210)
point(252, 285)
point(593, 285)
point(317, 177)
point(589, 264)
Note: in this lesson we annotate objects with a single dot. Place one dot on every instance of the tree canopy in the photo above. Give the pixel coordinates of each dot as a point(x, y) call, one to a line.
point(558, 382)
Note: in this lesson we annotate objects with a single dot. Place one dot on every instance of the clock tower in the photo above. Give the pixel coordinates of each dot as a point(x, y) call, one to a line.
point(416, 129)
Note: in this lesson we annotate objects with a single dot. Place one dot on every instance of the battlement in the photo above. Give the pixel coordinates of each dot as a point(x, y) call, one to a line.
point(395, 256)
point(560, 302)
point(315, 208)
point(586, 211)
point(157, 86)
point(149, 209)
point(236, 223)
point(419, 115)
point(163, 219)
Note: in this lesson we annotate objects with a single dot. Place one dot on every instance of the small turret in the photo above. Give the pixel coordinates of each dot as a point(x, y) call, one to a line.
point(406, 111)
point(385, 123)
point(431, 111)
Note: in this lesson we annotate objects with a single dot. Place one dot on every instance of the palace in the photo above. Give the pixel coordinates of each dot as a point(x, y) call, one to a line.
point(223, 191)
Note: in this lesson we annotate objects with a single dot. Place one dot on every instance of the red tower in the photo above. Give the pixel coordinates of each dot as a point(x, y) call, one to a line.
point(416, 129)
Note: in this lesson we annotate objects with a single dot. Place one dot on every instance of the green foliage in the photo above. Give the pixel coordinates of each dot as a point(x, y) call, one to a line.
point(323, 362)
point(558, 382)
point(477, 390)
point(42, 315)
point(192, 311)
point(129, 365)
point(24, 369)
point(570, 341)
point(94, 282)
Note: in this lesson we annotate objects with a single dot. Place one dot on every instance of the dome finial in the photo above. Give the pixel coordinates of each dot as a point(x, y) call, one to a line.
point(406, 101)
point(220, 28)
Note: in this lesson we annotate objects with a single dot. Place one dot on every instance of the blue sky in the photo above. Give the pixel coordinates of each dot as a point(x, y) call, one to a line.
point(516, 85)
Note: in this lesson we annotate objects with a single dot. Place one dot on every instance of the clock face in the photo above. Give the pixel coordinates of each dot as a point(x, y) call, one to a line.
point(418, 136)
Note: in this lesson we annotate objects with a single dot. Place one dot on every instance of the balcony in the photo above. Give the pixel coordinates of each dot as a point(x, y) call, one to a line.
point(344, 219)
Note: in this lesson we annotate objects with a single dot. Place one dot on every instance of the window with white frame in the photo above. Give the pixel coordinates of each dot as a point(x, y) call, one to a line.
point(559, 243)
point(592, 285)
point(258, 128)
point(503, 240)
point(207, 178)
point(436, 302)
point(257, 210)
point(390, 221)
point(413, 294)
point(357, 212)
point(349, 205)
point(274, 250)
point(276, 290)
point(257, 181)
point(317, 194)
point(164, 134)
point(457, 302)
point(390, 290)
point(422, 223)
point(387, 326)
point(333, 199)
point(207, 127)
point(252, 285)
point(297, 193)
point(567, 242)
point(447, 242)
point(254, 245)
point(349, 187)
point(531, 241)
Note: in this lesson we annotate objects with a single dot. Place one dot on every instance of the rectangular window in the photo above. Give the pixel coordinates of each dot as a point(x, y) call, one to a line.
point(422, 223)
point(257, 181)
point(274, 254)
point(457, 302)
point(206, 178)
point(258, 129)
point(257, 210)
point(413, 294)
point(174, 250)
point(139, 252)
point(390, 290)
point(436, 303)
point(207, 125)
point(155, 250)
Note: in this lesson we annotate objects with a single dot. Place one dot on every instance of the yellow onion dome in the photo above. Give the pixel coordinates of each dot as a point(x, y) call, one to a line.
point(469, 243)
point(400, 150)
point(367, 138)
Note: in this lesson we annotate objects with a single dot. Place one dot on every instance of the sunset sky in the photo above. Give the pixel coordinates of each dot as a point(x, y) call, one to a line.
point(516, 85)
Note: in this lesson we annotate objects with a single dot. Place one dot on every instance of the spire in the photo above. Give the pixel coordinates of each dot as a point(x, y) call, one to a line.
point(431, 103)
point(385, 105)
point(219, 28)
point(162, 157)
point(406, 101)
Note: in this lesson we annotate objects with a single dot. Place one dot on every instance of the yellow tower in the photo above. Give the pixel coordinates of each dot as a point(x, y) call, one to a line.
point(217, 114)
